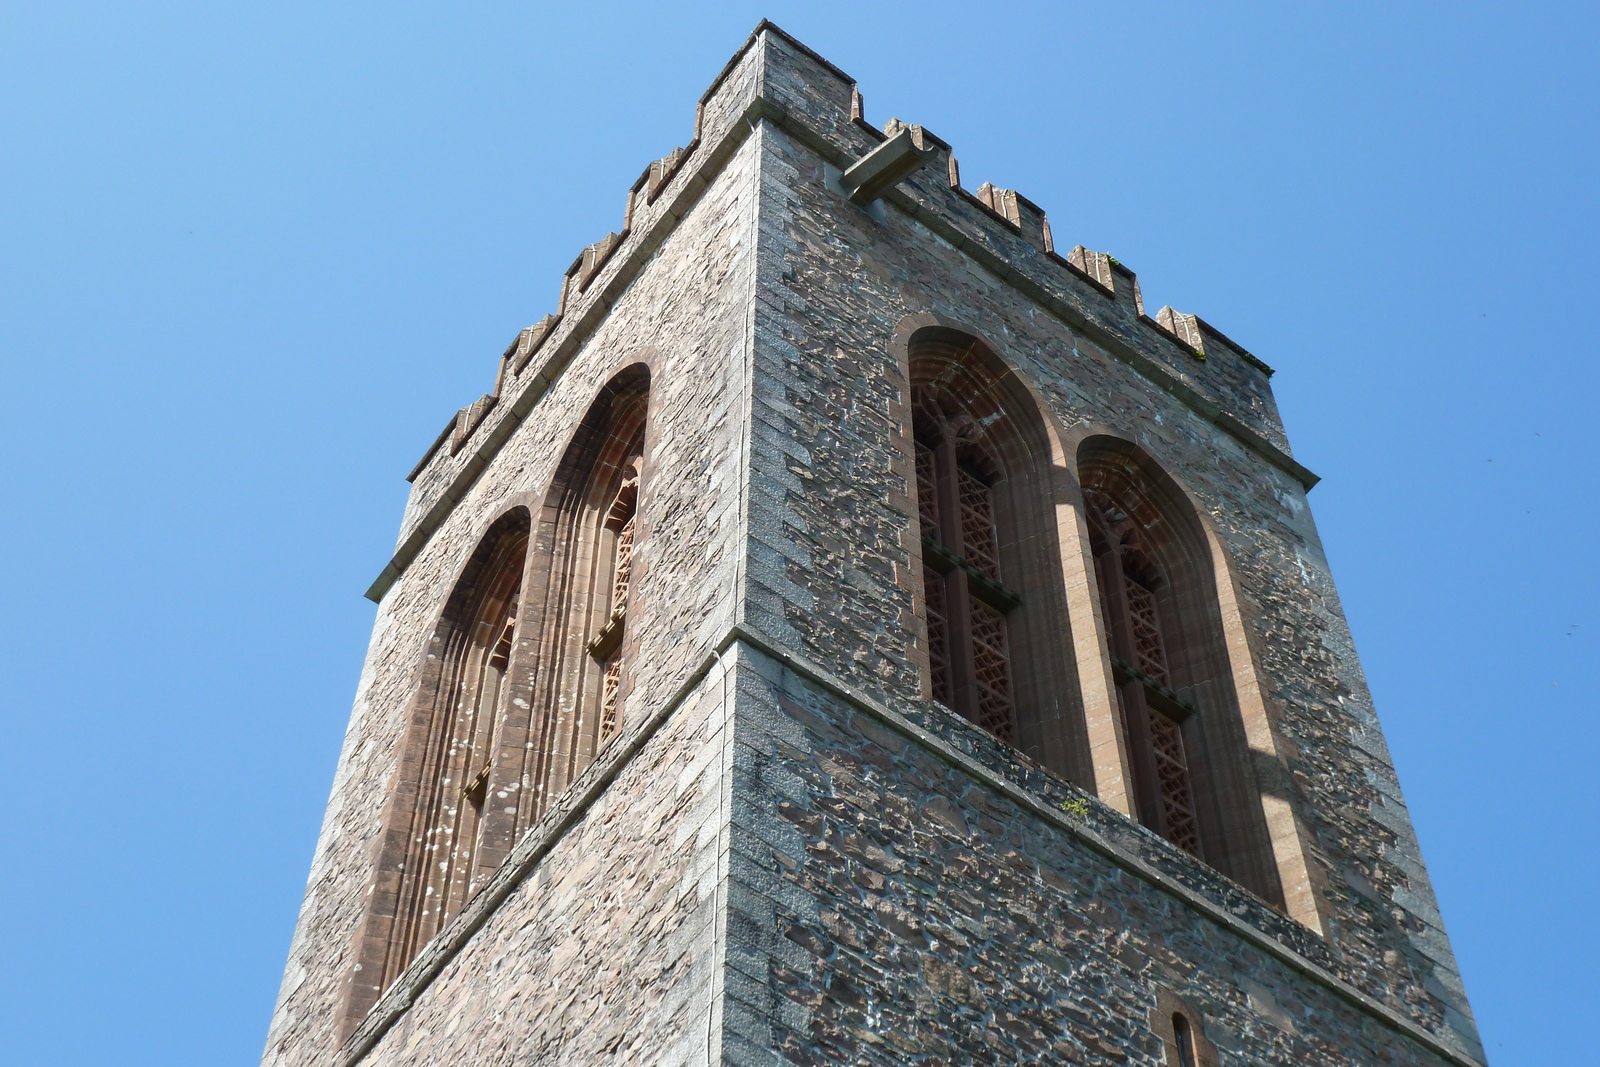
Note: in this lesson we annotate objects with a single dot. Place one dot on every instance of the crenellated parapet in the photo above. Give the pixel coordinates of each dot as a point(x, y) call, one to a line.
point(1001, 229)
point(1096, 266)
point(1185, 328)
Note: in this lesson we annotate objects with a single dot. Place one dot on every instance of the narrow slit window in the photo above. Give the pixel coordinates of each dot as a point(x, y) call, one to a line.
point(1183, 1037)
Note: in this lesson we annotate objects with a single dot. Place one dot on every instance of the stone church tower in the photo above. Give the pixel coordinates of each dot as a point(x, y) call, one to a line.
point(853, 631)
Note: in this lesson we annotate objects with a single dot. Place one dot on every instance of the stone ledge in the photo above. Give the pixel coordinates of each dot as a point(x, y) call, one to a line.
point(1138, 866)
point(1036, 797)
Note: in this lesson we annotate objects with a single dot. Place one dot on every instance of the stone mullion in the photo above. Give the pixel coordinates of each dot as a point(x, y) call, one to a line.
point(958, 623)
point(572, 669)
point(598, 552)
point(1213, 799)
point(958, 598)
point(481, 767)
point(475, 705)
point(505, 748)
point(1141, 744)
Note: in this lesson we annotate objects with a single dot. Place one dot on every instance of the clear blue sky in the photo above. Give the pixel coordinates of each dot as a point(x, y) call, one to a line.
point(253, 257)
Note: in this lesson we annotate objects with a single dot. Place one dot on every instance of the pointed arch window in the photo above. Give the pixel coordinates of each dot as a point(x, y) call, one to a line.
point(998, 644)
point(525, 682)
point(585, 569)
point(1182, 731)
point(432, 857)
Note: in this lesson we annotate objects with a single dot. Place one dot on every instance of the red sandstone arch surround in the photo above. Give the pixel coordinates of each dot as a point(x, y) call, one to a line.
point(429, 853)
point(1189, 756)
point(580, 579)
point(524, 682)
point(958, 384)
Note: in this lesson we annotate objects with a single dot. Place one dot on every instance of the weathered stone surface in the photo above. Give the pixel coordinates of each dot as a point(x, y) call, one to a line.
point(800, 859)
point(940, 922)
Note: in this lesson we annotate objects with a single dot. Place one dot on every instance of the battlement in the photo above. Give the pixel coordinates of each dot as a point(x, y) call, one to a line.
point(1004, 230)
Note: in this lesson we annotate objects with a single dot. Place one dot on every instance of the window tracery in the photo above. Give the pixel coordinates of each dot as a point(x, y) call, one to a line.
point(1129, 579)
point(606, 645)
point(524, 684)
point(996, 637)
point(968, 654)
point(1182, 732)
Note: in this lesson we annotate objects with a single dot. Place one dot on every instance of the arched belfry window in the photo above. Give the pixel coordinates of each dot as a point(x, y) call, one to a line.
point(1182, 730)
point(432, 857)
point(582, 585)
point(524, 684)
point(999, 648)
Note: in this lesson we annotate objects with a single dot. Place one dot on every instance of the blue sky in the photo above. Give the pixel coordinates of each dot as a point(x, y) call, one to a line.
point(253, 257)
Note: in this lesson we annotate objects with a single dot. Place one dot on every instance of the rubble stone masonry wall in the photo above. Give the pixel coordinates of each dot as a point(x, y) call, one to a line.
point(907, 894)
point(837, 282)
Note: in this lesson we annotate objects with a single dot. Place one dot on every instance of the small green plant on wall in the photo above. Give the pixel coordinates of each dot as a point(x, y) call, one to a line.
point(1077, 807)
